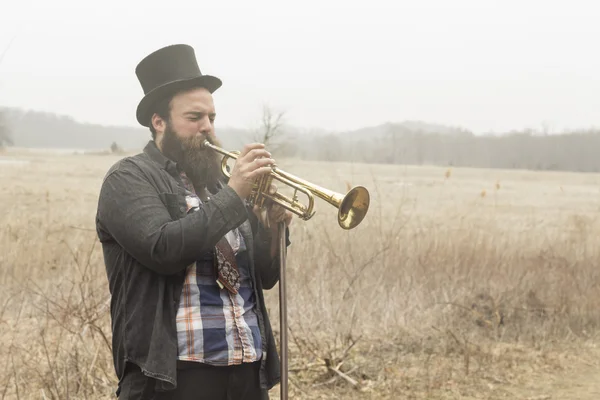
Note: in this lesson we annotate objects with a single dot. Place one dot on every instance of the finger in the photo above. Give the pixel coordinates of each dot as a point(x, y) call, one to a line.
point(249, 147)
point(276, 208)
point(276, 217)
point(259, 172)
point(256, 153)
point(273, 187)
point(261, 162)
point(288, 218)
point(260, 214)
point(279, 214)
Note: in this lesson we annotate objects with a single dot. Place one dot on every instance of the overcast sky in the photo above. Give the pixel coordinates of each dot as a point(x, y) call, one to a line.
point(480, 64)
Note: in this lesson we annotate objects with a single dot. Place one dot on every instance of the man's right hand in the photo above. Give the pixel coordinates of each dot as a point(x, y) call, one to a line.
point(253, 162)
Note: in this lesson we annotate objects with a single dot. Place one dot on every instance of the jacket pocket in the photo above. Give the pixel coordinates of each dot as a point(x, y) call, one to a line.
point(173, 204)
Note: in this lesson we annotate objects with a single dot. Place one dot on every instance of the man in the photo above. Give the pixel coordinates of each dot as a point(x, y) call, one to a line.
point(186, 258)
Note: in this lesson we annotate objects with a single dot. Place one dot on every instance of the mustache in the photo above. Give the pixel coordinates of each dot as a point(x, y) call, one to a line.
point(210, 139)
point(196, 142)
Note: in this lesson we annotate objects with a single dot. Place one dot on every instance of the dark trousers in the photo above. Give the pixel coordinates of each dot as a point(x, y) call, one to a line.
point(197, 382)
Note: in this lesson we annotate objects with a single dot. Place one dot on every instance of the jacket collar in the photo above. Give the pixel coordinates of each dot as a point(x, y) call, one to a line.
point(152, 151)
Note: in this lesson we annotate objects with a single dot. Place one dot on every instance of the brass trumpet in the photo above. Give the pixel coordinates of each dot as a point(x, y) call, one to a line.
point(352, 207)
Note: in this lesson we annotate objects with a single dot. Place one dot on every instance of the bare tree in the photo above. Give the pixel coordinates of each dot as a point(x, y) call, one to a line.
point(5, 136)
point(271, 129)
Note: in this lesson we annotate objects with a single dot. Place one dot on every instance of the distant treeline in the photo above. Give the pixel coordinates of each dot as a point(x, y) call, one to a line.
point(414, 143)
point(573, 151)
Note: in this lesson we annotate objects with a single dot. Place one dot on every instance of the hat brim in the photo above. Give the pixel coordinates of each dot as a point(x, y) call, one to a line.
point(143, 113)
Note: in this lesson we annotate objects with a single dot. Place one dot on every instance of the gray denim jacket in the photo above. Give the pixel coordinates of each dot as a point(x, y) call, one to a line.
point(148, 240)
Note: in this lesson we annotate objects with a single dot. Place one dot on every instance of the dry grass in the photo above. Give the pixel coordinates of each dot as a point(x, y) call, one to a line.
point(460, 284)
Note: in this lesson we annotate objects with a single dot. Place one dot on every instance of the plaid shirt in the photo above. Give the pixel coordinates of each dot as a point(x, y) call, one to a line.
point(215, 326)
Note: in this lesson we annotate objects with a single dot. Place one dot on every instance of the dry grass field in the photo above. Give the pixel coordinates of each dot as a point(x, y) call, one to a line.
point(460, 284)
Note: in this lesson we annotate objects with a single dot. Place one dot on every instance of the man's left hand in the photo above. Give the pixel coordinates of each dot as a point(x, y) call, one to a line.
point(273, 214)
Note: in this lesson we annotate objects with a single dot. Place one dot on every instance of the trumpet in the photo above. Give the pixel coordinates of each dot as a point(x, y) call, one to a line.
point(352, 207)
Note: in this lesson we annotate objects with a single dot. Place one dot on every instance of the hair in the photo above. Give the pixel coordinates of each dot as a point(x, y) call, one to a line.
point(163, 109)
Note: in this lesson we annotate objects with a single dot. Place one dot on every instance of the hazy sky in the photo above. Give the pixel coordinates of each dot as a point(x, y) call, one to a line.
point(337, 64)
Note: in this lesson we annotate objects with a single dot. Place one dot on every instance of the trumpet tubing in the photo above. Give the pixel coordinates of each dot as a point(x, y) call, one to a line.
point(352, 207)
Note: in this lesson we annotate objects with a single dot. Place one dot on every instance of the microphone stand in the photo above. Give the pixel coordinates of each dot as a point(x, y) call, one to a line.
point(283, 313)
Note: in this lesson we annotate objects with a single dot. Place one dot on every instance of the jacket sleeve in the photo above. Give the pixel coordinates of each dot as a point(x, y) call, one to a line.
point(131, 212)
point(266, 266)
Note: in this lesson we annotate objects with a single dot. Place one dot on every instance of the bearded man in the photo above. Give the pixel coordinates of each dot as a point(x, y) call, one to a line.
point(187, 258)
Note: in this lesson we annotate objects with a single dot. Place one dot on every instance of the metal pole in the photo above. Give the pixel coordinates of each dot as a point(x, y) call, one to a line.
point(283, 314)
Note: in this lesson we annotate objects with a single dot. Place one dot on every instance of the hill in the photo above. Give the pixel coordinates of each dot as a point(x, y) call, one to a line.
point(37, 129)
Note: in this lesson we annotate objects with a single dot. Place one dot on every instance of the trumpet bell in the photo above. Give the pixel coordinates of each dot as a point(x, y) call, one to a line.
point(353, 207)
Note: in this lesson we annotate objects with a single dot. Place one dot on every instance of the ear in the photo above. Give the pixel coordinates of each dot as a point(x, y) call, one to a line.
point(158, 123)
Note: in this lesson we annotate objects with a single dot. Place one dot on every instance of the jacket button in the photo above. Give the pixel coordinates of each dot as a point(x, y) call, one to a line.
point(182, 209)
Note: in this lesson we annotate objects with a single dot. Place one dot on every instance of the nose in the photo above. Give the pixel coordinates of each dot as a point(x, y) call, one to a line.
point(205, 126)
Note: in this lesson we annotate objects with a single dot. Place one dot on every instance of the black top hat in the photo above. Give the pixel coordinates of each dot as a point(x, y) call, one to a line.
point(167, 71)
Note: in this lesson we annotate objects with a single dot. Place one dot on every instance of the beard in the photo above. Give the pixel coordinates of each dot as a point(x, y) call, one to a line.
point(202, 166)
